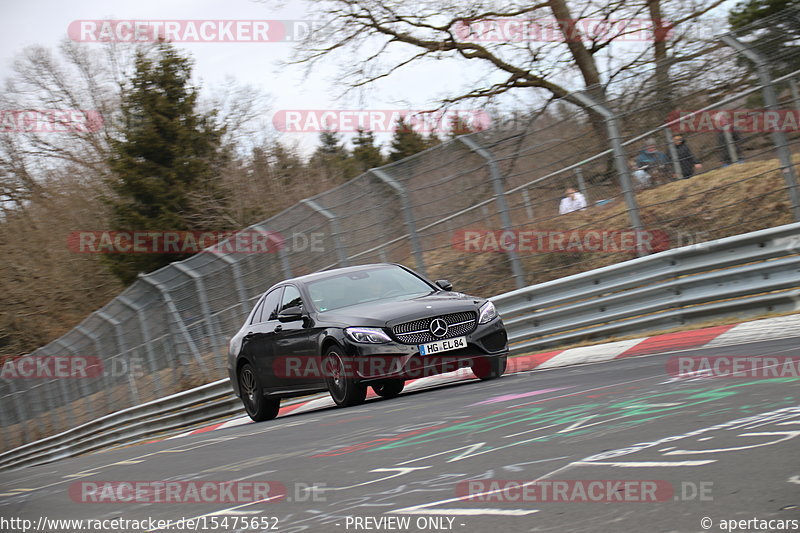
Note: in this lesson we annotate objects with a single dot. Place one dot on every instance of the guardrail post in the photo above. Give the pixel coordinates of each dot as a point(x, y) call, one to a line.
point(119, 339)
point(620, 162)
point(146, 339)
point(502, 204)
point(212, 327)
point(178, 320)
point(408, 215)
point(771, 103)
point(333, 223)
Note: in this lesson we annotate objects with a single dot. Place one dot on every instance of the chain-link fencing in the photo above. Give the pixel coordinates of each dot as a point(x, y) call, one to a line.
point(486, 211)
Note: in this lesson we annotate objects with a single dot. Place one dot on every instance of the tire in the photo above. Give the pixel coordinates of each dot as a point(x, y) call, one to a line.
point(487, 368)
point(345, 390)
point(258, 406)
point(389, 388)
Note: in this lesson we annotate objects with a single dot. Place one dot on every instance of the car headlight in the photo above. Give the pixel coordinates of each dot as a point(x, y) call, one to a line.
point(487, 313)
point(367, 335)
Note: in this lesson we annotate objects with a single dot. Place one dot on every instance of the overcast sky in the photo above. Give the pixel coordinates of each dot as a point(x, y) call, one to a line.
point(46, 22)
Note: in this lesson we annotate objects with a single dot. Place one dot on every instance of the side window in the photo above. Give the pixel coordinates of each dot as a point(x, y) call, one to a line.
point(270, 309)
point(257, 313)
point(291, 298)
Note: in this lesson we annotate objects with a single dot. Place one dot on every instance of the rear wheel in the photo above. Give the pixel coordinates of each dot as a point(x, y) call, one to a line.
point(389, 388)
point(258, 407)
point(344, 388)
point(487, 368)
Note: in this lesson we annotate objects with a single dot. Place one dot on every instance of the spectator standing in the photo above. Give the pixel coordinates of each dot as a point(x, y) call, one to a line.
point(654, 162)
point(572, 201)
point(686, 159)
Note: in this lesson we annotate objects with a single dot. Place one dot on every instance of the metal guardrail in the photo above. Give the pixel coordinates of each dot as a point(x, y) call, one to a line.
point(200, 404)
point(742, 275)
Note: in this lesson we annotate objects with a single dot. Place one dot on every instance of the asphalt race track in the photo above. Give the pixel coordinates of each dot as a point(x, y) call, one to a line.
point(715, 448)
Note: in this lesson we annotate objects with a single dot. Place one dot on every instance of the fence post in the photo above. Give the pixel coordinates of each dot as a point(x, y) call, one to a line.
point(283, 255)
point(502, 204)
point(621, 163)
point(4, 424)
point(121, 351)
point(673, 153)
point(237, 280)
point(147, 340)
point(71, 394)
point(333, 223)
point(19, 407)
point(176, 317)
point(582, 184)
point(408, 215)
point(99, 351)
point(771, 103)
point(526, 199)
point(85, 387)
point(795, 93)
point(212, 327)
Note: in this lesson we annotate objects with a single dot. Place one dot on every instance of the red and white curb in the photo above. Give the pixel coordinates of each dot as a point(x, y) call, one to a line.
point(757, 330)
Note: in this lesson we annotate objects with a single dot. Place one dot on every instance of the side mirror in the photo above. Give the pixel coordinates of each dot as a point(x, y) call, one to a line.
point(291, 314)
point(444, 284)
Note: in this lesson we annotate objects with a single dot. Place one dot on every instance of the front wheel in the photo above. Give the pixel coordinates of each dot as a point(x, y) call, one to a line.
point(487, 368)
point(258, 407)
point(389, 388)
point(345, 390)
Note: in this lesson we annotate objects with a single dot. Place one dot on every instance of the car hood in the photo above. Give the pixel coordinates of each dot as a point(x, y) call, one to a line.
point(387, 313)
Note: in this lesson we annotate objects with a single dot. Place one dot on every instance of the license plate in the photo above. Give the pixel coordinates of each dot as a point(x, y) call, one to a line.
point(443, 346)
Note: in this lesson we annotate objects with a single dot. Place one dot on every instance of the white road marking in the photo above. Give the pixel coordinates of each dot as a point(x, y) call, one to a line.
point(470, 512)
point(645, 464)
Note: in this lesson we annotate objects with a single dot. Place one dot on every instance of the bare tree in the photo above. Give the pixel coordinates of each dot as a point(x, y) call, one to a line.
point(390, 35)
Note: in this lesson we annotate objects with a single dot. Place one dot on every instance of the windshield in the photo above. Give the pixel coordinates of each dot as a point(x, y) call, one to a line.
point(351, 288)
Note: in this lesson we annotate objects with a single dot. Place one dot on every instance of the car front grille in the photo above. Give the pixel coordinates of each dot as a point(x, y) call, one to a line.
point(418, 331)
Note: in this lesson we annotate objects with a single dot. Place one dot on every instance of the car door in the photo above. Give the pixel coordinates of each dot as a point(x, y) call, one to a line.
point(259, 341)
point(297, 357)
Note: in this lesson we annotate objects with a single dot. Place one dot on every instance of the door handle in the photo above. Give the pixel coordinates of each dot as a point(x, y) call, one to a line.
point(278, 328)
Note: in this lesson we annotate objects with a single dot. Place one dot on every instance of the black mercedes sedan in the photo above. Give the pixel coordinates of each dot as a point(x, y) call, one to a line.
point(351, 328)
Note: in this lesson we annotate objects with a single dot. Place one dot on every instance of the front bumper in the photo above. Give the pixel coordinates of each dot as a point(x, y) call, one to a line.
point(372, 362)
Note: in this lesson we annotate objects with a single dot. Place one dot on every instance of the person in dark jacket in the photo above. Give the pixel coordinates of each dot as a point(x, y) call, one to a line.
point(686, 159)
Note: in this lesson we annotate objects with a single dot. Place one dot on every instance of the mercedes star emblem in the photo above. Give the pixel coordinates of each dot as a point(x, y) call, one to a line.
point(438, 327)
